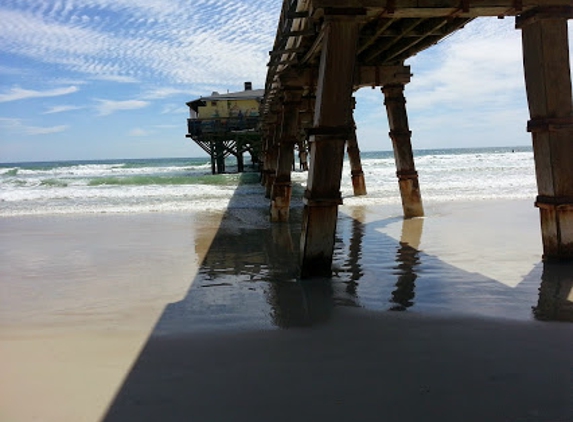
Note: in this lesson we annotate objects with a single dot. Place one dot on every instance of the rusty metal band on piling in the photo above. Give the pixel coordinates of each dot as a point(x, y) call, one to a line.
point(399, 133)
point(321, 202)
point(324, 133)
point(407, 175)
point(550, 124)
point(560, 203)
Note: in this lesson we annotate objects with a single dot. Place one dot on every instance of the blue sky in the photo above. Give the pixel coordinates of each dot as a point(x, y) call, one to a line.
point(96, 79)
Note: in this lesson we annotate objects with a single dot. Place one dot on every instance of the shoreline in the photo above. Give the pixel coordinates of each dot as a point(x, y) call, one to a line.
point(88, 297)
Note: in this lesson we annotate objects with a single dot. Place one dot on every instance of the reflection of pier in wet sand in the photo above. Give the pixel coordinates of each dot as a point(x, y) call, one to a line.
point(466, 348)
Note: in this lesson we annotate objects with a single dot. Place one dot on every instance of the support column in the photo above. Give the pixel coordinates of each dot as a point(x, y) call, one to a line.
point(356, 172)
point(240, 158)
point(331, 128)
point(267, 133)
point(282, 186)
point(306, 118)
point(212, 154)
point(220, 156)
point(400, 134)
point(270, 160)
point(548, 84)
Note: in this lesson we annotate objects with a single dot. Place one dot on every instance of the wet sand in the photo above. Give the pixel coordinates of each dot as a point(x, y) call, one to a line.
point(179, 317)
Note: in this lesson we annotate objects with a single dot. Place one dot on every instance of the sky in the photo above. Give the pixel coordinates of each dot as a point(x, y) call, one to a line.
point(106, 79)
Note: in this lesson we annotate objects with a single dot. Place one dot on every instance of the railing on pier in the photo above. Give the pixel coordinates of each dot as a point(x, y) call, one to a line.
point(215, 126)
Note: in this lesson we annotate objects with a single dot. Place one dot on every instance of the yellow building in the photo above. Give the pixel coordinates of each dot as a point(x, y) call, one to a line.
point(226, 124)
point(231, 105)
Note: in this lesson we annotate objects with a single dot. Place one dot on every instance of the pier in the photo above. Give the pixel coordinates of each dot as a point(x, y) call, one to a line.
point(227, 124)
point(325, 50)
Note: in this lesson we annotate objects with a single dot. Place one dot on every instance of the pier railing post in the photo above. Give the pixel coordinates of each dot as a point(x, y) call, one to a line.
point(331, 127)
point(282, 186)
point(548, 84)
point(400, 134)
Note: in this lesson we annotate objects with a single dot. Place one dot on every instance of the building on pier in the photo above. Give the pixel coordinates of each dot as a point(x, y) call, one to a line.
point(227, 124)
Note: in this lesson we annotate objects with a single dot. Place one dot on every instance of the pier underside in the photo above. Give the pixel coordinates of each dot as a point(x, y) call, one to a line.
point(222, 145)
point(327, 49)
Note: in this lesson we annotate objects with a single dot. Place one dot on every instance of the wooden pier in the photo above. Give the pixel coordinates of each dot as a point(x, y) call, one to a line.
point(326, 49)
point(227, 124)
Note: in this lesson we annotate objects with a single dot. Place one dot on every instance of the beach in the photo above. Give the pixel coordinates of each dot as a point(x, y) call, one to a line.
point(200, 316)
point(79, 297)
point(136, 290)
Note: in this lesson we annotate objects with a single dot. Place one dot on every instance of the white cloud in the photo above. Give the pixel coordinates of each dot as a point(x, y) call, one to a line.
point(61, 109)
point(9, 122)
point(175, 109)
point(159, 93)
point(481, 63)
point(17, 93)
point(106, 107)
point(18, 125)
point(167, 126)
point(32, 130)
point(115, 78)
point(138, 132)
point(7, 70)
point(202, 42)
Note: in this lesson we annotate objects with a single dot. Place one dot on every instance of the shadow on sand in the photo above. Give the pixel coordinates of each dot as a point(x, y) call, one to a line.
point(340, 353)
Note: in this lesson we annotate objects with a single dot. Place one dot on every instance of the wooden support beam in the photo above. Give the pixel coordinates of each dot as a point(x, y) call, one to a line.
point(377, 51)
point(220, 156)
point(282, 186)
point(356, 173)
point(270, 159)
point(212, 154)
point(381, 75)
point(240, 162)
point(329, 133)
point(383, 25)
point(548, 84)
point(364, 76)
point(400, 134)
point(434, 8)
point(418, 39)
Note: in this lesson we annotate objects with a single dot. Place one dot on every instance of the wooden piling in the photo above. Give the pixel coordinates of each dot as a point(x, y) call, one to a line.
point(282, 186)
point(220, 156)
point(331, 128)
point(548, 84)
point(270, 161)
point(400, 134)
point(356, 172)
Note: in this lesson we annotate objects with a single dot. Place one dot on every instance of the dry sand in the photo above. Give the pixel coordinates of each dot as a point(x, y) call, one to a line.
point(78, 298)
point(175, 317)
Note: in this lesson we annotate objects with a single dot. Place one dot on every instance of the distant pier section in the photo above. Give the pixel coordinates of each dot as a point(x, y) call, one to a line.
point(227, 124)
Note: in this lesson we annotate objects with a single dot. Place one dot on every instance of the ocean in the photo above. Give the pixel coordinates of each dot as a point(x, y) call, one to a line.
point(186, 184)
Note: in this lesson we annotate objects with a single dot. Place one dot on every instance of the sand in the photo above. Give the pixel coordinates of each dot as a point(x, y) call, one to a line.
point(79, 297)
point(187, 317)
